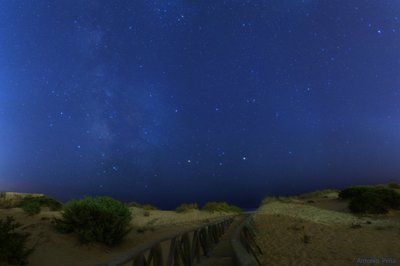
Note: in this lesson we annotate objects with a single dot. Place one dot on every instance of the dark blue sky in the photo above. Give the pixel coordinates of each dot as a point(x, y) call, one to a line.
point(171, 101)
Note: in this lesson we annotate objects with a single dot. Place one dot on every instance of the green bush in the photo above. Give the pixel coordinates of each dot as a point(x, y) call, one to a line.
point(185, 207)
point(31, 208)
point(376, 199)
point(221, 207)
point(12, 243)
point(102, 219)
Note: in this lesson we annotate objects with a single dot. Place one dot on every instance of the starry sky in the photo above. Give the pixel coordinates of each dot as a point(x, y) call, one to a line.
point(165, 102)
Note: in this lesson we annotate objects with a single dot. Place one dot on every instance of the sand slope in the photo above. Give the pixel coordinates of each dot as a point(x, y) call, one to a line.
point(312, 234)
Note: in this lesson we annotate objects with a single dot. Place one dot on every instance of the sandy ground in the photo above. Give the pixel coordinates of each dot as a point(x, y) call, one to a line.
point(53, 248)
point(321, 233)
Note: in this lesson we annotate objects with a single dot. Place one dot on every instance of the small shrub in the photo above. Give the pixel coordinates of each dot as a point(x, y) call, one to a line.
point(296, 227)
point(145, 228)
point(102, 219)
point(141, 229)
point(221, 207)
point(146, 213)
point(12, 243)
point(394, 185)
point(185, 207)
point(31, 208)
point(373, 200)
point(306, 239)
point(355, 226)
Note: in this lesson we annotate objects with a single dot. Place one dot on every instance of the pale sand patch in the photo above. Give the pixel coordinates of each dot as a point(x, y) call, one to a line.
point(161, 218)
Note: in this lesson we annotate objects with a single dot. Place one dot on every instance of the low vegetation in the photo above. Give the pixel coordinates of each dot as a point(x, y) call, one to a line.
point(221, 207)
point(185, 207)
point(13, 250)
point(31, 208)
point(147, 207)
point(29, 203)
point(316, 194)
point(371, 199)
point(102, 219)
point(32, 205)
point(273, 199)
point(6, 204)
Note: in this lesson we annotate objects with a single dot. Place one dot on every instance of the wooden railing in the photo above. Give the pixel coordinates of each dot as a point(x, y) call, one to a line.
point(175, 250)
point(244, 245)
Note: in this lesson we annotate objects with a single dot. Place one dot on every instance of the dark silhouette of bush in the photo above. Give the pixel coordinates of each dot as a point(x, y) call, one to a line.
point(352, 192)
point(394, 185)
point(31, 207)
point(368, 202)
point(221, 207)
point(371, 199)
point(13, 249)
point(185, 207)
point(102, 219)
point(389, 197)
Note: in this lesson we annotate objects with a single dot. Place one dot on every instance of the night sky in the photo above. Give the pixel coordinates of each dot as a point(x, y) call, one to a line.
point(176, 101)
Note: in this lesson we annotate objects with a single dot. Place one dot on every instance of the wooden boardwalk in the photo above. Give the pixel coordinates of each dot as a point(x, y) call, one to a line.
point(223, 254)
point(226, 242)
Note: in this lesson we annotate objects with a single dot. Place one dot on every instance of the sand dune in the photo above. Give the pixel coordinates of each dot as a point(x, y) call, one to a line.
point(317, 233)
